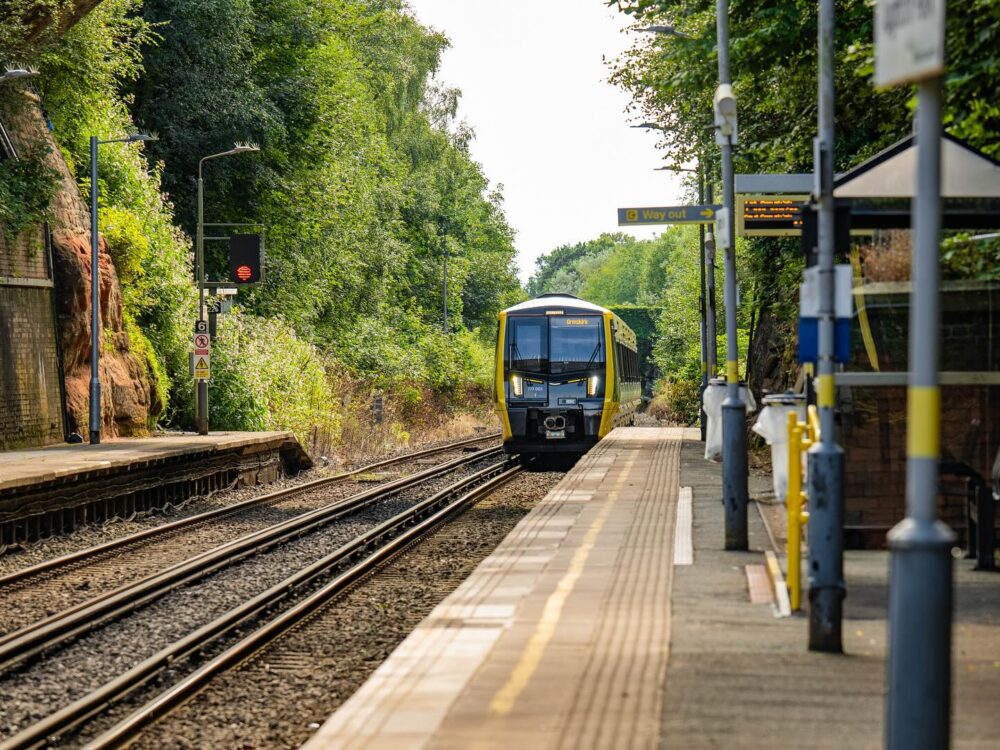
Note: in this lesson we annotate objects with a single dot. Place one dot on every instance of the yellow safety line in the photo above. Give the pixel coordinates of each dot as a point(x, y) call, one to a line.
point(505, 698)
point(732, 371)
point(923, 434)
point(866, 331)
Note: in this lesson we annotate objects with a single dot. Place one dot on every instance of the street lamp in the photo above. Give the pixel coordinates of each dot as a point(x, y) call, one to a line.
point(95, 284)
point(665, 29)
point(201, 391)
point(734, 442)
point(13, 72)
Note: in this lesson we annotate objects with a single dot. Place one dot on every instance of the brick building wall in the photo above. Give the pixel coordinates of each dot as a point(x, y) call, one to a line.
point(873, 419)
point(31, 412)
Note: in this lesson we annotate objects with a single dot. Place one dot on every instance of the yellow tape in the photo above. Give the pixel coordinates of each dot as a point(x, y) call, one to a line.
point(923, 413)
point(826, 391)
point(732, 371)
point(866, 329)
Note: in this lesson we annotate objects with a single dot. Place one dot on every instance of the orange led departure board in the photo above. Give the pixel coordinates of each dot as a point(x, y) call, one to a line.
point(769, 215)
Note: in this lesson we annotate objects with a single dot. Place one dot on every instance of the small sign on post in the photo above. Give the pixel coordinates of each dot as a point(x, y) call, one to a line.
point(722, 220)
point(909, 41)
point(201, 355)
point(202, 366)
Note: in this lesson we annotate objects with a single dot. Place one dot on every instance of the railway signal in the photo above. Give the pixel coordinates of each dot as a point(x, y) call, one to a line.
point(246, 259)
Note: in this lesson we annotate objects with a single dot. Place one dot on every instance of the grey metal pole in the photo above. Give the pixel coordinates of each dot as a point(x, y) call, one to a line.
point(826, 458)
point(95, 303)
point(920, 593)
point(444, 291)
point(736, 496)
point(711, 317)
point(703, 328)
point(201, 393)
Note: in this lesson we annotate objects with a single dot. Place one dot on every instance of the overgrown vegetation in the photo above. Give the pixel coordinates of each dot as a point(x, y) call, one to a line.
point(773, 62)
point(363, 186)
point(27, 186)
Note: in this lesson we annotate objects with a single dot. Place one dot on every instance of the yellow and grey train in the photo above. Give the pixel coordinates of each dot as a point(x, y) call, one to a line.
point(567, 373)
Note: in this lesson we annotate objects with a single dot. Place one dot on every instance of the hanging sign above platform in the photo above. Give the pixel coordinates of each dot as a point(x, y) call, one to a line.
point(628, 217)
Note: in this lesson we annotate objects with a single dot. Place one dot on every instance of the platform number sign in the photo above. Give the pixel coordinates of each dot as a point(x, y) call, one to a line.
point(201, 355)
point(246, 259)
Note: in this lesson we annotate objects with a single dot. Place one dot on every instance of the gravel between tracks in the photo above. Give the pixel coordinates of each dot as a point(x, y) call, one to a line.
point(277, 699)
point(29, 694)
point(39, 596)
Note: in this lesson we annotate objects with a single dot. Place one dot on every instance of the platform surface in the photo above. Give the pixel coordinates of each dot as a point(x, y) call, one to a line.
point(22, 468)
point(559, 639)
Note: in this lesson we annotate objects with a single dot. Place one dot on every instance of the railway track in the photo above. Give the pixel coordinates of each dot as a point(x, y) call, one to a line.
point(25, 643)
point(32, 593)
point(332, 573)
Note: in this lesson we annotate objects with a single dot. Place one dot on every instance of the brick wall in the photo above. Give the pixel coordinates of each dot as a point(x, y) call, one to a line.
point(30, 387)
point(873, 419)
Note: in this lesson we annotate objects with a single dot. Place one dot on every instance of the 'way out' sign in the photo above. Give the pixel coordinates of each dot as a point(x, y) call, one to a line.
point(667, 215)
point(909, 41)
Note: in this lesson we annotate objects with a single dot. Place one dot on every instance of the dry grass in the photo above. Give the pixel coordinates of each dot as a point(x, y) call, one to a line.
point(888, 257)
point(411, 416)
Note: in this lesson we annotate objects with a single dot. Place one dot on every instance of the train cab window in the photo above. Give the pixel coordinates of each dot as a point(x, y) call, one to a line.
point(528, 344)
point(575, 343)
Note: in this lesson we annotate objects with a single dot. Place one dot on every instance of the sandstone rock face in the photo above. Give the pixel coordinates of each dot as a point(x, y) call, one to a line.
point(126, 391)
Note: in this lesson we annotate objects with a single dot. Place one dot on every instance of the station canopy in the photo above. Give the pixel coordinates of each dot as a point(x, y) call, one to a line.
point(965, 173)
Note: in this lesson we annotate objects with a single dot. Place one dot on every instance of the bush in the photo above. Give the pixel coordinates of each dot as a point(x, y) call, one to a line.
point(678, 402)
point(264, 377)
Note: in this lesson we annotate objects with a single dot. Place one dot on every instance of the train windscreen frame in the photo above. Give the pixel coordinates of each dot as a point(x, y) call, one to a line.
point(554, 345)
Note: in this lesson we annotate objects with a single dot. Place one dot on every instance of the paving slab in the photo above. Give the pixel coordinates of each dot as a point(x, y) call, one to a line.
point(560, 638)
point(740, 678)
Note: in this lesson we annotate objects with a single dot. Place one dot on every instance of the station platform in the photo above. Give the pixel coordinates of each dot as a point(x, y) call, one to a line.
point(559, 639)
point(611, 617)
point(47, 490)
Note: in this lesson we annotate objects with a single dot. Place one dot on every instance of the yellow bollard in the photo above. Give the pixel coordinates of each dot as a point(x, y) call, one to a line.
point(801, 435)
point(793, 550)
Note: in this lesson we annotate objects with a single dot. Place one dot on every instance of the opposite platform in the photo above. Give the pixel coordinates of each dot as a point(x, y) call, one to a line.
point(47, 491)
point(559, 639)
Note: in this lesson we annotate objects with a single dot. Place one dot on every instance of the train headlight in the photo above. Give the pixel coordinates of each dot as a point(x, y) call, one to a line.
point(593, 384)
point(517, 385)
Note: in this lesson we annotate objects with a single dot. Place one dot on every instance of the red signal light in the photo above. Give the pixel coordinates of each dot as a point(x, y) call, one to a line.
point(244, 272)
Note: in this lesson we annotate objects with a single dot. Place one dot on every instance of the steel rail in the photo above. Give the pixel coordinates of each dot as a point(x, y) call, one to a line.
point(395, 533)
point(65, 561)
point(43, 635)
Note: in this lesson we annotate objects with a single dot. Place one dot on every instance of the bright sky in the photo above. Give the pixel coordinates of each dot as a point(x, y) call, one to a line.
point(549, 126)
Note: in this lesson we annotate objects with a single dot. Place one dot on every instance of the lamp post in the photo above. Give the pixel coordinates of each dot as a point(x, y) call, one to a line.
point(709, 358)
point(95, 284)
point(734, 439)
point(13, 72)
point(826, 458)
point(201, 389)
point(667, 29)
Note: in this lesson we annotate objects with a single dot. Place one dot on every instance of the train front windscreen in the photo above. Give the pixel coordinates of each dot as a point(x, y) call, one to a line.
point(555, 345)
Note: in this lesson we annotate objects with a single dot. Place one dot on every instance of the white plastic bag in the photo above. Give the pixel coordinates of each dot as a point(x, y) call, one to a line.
point(715, 394)
point(772, 425)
